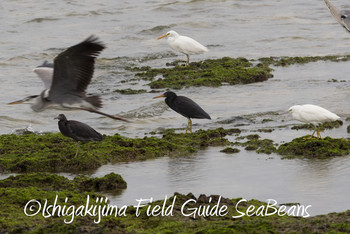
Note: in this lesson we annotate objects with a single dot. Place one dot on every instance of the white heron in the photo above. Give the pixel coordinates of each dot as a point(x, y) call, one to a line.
point(183, 44)
point(312, 114)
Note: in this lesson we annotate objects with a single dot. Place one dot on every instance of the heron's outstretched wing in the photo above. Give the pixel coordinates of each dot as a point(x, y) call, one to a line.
point(74, 68)
point(45, 73)
point(343, 16)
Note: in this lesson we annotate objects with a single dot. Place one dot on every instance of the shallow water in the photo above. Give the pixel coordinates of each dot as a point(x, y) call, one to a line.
point(36, 31)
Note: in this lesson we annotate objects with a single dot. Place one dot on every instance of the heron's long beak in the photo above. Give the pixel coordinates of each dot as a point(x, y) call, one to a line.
point(159, 96)
point(165, 35)
point(17, 102)
point(23, 100)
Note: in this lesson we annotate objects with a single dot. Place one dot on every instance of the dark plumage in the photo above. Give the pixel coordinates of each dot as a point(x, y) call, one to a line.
point(77, 130)
point(73, 70)
point(184, 106)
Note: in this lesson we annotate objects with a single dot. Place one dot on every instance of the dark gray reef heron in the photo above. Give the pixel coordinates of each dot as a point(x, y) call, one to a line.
point(67, 79)
point(78, 131)
point(342, 16)
point(185, 107)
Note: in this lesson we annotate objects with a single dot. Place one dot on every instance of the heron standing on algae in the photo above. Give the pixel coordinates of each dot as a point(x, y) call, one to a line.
point(185, 107)
point(183, 44)
point(312, 114)
point(78, 131)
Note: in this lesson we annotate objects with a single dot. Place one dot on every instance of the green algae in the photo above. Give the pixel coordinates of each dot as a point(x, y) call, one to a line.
point(230, 150)
point(13, 219)
point(130, 91)
point(211, 72)
point(286, 61)
point(327, 125)
point(223, 71)
point(52, 182)
point(17, 191)
point(55, 153)
point(253, 143)
point(315, 148)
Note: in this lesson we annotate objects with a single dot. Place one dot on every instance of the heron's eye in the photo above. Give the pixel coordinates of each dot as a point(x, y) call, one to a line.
point(343, 16)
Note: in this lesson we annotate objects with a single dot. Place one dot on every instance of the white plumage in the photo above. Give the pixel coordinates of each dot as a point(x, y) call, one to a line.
point(312, 114)
point(183, 44)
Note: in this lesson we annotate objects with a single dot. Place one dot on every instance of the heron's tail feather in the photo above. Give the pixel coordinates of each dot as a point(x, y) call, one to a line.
point(95, 101)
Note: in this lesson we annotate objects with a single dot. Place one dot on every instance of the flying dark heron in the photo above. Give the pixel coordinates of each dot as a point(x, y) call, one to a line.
point(184, 106)
point(78, 131)
point(342, 16)
point(66, 84)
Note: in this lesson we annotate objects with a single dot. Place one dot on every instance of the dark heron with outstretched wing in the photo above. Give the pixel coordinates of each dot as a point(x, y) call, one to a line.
point(342, 16)
point(78, 131)
point(72, 73)
point(184, 106)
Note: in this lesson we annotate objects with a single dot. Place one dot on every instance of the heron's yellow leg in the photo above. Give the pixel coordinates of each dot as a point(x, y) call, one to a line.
point(190, 122)
point(313, 133)
point(88, 148)
point(77, 152)
point(187, 61)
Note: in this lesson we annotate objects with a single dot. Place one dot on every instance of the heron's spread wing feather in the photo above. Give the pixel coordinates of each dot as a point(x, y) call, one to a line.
point(74, 68)
point(45, 74)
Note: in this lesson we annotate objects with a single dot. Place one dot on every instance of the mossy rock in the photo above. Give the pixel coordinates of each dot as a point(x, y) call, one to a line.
point(253, 143)
point(327, 125)
point(109, 183)
point(230, 150)
point(52, 182)
point(53, 152)
point(316, 148)
point(286, 61)
point(211, 72)
point(13, 199)
point(130, 91)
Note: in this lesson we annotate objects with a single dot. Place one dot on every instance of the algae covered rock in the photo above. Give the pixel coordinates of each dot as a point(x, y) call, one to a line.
point(254, 143)
point(230, 150)
point(53, 182)
point(52, 152)
point(108, 183)
point(211, 72)
point(326, 125)
point(313, 147)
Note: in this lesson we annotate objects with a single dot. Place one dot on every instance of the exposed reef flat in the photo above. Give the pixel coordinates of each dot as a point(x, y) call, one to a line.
point(211, 72)
point(53, 152)
point(15, 194)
